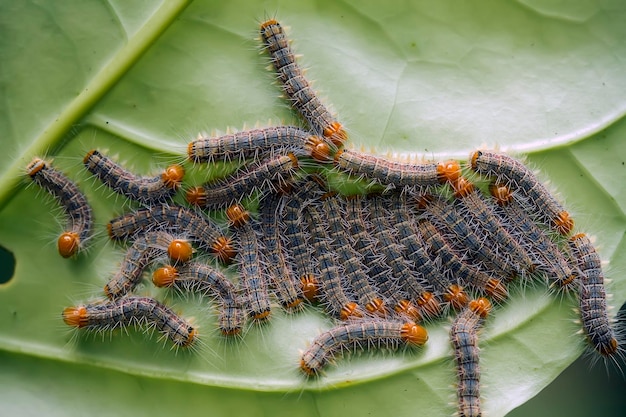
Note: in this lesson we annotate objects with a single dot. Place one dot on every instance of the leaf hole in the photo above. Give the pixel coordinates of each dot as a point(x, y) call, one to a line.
point(7, 265)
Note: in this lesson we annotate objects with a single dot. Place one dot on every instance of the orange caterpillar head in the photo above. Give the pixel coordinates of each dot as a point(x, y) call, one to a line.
point(36, 165)
point(293, 305)
point(405, 307)
point(480, 306)
point(223, 249)
point(270, 22)
point(164, 276)
point(110, 230)
point(564, 223)
point(75, 316)
point(376, 306)
point(474, 159)
point(68, 244)
point(414, 334)
point(180, 250)
point(429, 304)
point(497, 290)
point(307, 369)
point(310, 287)
point(237, 215)
point(449, 171)
point(318, 149)
point(610, 349)
point(88, 156)
point(501, 193)
point(196, 196)
point(456, 296)
point(294, 160)
point(191, 337)
point(336, 133)
point(191, 153)
point(230, 332)
point(172, 176)
point(262, 316)
point(565, 284)
point(337, 155)
point(350, 310)
point(462, 187)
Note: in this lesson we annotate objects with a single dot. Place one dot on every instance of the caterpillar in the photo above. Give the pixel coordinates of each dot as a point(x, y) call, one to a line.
point(78, 210)
point(592, 297)
point(546, 254)
point(252, 279)
point(350, 260)
point(296, 239)
point(381, 229)
point(396, 174)
point(257, 143)
point(295, 85)
point(263, 177)
point(108, 315)
point(379, 271)
point(331, 285)
point(362, 335)
point(450, 261)
point(464, 339)
point(146, 190)
point(445, 215)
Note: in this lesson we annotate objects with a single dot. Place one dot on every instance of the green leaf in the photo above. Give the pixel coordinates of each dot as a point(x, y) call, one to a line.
point(438, 79)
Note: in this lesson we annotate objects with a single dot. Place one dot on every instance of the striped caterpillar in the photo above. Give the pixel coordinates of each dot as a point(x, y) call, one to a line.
point(109, 315)
point(415, 250)
point(535, 240)
point(464, 339)
point(296, 86)
point(445, 215)
point(263, 177)
point(361, 335)
point(78, 210)
point(331, 286)
point(450, 261)
point(592, 297)
point(379, 271)
point(252, 278)
point(381, 230)
point(146, 190)
point(396, 174)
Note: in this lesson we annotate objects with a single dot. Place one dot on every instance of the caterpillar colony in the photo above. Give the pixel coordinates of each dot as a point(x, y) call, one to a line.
point(420, 245)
